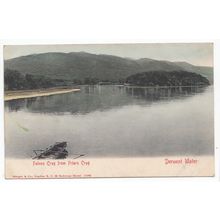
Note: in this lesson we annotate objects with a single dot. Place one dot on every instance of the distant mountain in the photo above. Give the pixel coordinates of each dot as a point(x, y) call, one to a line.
point(81, 66)
point(158, 65)
point(203, 70)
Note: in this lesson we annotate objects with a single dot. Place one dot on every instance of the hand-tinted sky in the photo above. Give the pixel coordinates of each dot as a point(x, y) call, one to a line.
point(195, 53)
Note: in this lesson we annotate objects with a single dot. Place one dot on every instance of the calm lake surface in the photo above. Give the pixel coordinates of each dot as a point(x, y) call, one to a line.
point(114, 121)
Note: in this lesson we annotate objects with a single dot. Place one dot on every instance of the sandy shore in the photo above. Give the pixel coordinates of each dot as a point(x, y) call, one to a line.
point(12, 95)
point(86, 167)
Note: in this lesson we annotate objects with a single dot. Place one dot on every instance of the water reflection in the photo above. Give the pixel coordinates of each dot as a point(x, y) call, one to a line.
point(92, 98)
point(160, 93)
point(114, 121)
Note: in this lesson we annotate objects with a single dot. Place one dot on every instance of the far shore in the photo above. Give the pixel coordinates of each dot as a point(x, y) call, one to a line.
point(21, 94)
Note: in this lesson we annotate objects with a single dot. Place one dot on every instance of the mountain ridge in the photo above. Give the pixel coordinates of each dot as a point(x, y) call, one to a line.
point(82, 65)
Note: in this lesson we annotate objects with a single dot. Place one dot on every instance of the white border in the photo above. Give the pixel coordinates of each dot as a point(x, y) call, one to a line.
point(100, 21)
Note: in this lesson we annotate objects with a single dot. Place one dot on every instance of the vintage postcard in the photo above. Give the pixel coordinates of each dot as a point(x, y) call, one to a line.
point(109, 110)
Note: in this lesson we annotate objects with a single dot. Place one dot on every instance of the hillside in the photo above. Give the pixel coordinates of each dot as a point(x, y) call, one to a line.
point(79, 66)
point(168, 78)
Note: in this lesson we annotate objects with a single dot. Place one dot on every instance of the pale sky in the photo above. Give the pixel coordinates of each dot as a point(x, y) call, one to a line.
point(200, 54)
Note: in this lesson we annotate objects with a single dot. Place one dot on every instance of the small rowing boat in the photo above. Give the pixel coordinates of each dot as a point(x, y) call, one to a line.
point(56, 151)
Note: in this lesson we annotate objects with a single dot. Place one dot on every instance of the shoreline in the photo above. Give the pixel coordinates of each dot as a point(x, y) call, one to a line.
point(22, 94)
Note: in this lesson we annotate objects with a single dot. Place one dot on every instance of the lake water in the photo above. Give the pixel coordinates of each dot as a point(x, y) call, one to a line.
point(114, 121)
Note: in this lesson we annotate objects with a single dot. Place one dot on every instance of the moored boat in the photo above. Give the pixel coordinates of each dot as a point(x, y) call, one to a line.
point(56, 151)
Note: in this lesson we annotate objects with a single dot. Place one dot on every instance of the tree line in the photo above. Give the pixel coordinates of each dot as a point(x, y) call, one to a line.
point(165, 78)
point(15, 80)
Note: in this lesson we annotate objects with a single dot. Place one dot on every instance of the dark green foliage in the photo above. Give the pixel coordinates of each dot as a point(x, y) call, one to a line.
point(90, 81)
point(14, 80)
point(36, 82)
point(165, 78)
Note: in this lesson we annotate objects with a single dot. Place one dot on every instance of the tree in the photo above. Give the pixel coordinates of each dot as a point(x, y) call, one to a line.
point(14, 80)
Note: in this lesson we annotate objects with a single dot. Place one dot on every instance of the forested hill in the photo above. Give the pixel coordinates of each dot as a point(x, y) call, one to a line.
point(78, 66)
point(14, 80)
point(171, 78)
